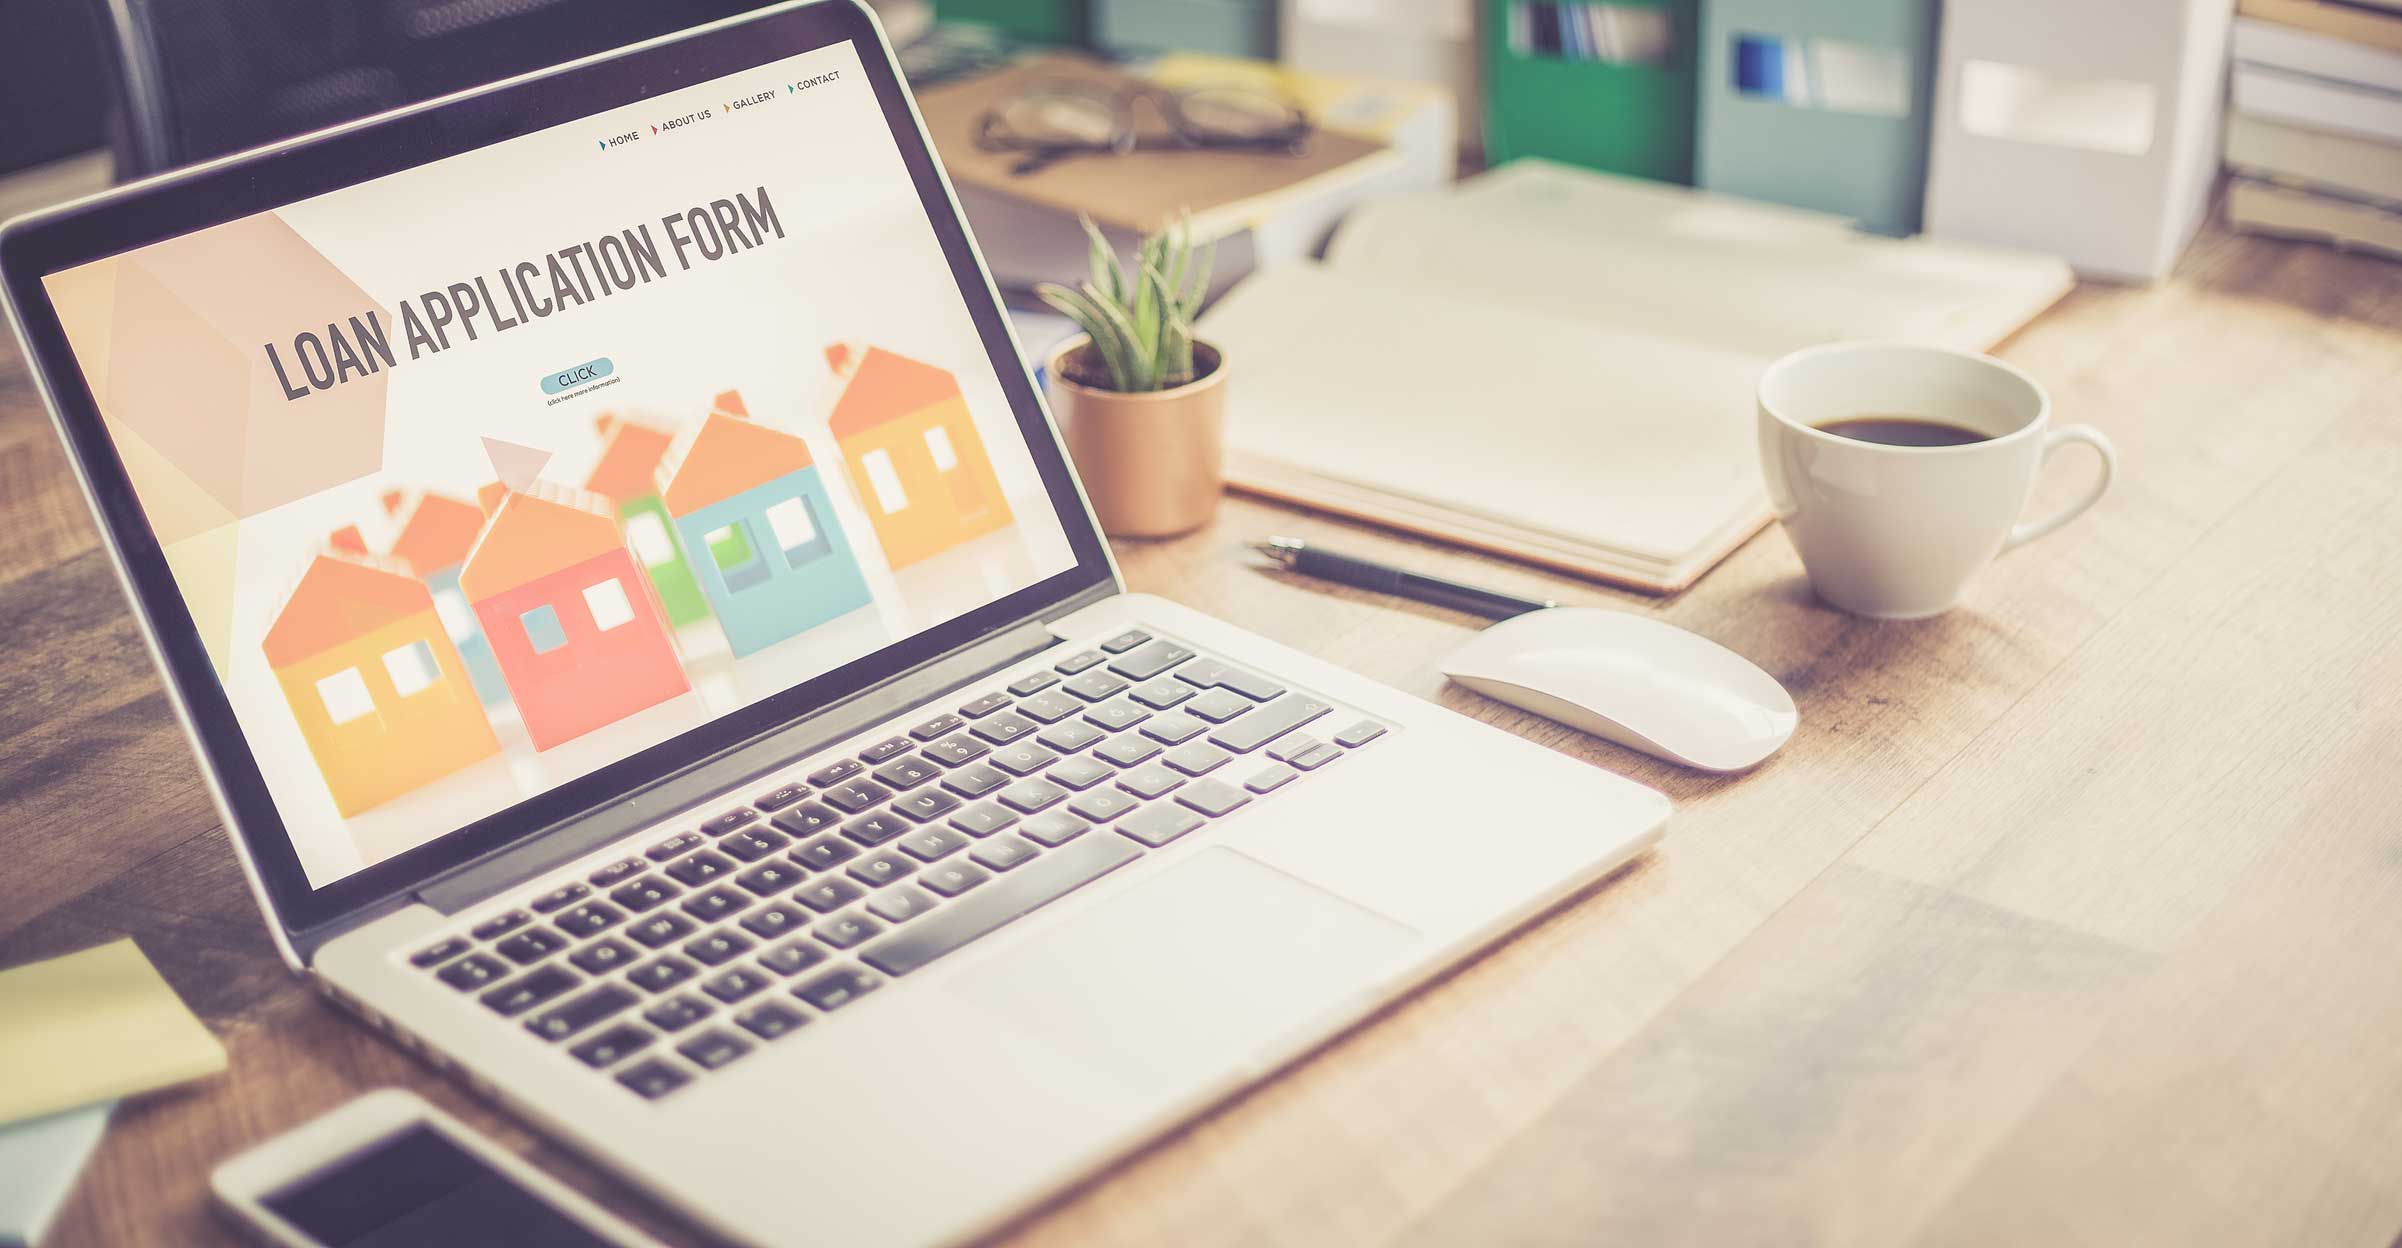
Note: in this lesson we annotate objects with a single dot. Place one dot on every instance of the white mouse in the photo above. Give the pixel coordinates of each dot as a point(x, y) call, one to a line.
point(1646, 685)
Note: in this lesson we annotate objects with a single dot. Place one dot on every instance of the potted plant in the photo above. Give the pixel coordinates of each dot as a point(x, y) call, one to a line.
point(1142, 404)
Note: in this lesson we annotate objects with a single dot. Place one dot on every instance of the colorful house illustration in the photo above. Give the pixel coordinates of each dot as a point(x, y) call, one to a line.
point(578, 634)
point(913, 455)
point(433, 541)
point(776, 562)
point(627, 475)
point(375, 685)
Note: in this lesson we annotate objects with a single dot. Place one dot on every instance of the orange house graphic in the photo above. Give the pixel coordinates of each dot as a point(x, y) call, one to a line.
point(379, 692)
point(912, 454)
point(578, 635)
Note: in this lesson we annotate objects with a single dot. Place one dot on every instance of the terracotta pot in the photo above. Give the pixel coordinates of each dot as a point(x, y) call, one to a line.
point(1153, 464)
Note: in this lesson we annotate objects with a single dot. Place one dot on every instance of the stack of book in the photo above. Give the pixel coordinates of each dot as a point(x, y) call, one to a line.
point(2314, 135)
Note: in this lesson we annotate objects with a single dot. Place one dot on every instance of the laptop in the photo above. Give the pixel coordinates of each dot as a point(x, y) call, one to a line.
point(655, 661)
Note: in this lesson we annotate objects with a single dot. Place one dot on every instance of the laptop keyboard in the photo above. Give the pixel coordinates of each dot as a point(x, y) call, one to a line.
point(685, 957)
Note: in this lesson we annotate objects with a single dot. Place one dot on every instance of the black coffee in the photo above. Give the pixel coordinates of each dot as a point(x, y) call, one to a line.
point(1902, 431)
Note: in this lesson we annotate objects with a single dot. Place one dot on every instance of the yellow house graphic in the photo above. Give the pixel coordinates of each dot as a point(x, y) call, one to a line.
point(912, 454)
point(378, 691)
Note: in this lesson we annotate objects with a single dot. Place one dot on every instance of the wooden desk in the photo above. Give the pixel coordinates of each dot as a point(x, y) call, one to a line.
point(2068, 917)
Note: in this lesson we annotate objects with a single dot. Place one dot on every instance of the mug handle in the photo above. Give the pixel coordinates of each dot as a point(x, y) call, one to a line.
point(2021, 534)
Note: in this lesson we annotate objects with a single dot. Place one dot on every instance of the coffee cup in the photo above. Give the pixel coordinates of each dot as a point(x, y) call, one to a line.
point(1899, 470)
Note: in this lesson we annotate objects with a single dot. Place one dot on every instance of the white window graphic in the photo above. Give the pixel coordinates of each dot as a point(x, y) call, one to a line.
point(889, 494)
point(412, 667)
point(648, 535)
point(345, 695)
point(609, 605)
point(452, 610)
point(938, 444)
point(790, 520)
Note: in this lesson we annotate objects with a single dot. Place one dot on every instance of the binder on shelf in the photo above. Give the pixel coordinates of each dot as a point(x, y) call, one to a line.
point(1605, 86)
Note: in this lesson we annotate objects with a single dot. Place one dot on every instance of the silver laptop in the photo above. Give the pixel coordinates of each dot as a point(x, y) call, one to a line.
point(656, 663)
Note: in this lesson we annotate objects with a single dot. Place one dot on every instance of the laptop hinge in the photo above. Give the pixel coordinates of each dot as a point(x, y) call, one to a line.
point(572, 838)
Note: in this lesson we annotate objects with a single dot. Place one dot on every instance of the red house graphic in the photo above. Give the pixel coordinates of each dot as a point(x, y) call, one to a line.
point(573, 623)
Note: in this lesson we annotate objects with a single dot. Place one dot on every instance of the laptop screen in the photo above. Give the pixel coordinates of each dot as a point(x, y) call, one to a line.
point(482, 476)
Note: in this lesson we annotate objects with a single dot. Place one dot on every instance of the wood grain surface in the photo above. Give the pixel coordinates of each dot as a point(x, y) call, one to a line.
point(2068, 917)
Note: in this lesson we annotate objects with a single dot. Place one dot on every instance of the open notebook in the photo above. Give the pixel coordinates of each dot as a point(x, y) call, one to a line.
point(1559, 365)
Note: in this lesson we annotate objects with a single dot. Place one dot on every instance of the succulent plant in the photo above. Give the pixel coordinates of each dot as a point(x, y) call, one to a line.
point(1141, 323)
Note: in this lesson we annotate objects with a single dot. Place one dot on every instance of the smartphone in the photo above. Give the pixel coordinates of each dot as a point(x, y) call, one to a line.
point(388, 1170)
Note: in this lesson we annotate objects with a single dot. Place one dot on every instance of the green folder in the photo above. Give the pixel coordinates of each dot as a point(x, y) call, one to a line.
point(1036, 21)
point(1620, 118)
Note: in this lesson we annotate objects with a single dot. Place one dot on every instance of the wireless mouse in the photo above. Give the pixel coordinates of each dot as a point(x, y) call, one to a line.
point(1626, 678)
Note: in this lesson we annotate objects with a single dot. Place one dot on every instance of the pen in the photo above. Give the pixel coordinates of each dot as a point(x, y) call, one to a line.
point(1301, 557)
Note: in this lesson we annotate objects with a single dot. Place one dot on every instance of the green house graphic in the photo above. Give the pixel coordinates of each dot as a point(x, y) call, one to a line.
point(626, 476)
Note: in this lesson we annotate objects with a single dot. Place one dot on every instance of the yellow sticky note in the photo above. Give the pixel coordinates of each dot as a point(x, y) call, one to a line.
point(92, 1026)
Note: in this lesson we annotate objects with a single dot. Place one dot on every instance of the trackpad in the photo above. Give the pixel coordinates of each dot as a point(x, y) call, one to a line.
point(1202, 964)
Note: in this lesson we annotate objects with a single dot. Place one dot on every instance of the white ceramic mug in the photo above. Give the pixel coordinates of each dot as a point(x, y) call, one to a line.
point(1896, 532)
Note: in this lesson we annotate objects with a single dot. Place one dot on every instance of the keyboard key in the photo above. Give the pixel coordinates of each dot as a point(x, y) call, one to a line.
point(957, 750)
point(1003, 728)
point(1054, 829)
point(652, 1079)
point(877, 828)
point(982, 820)
point(602, 956)
point(1028, 796)
point(1210, 673)
point(1023, 759)
point(769, 878)
point(1125, 641)
point(1036, 884)
point(576, 1013)
point(1157, 825)
point(1197, 759)
point(808, 820)
point(1070, 737)
point(1102, 805)
point(501, 924)
point(984, 706)
point(753, 844)
point(907, 773)
point(1270, 778)
point(1002, 853)
point(677, 1013)
point(590, 919)
point(661, 973)
point(716, 904)
point(660, 930)
point(714, 1049)
point(718, 948)
point(436, 955)
point(1050, 708)
point(1268, 723)
point(928, 844)
point(1359, 734)
point(529, 990)
point(975, 780)
point(1079, 661)
point(900, 905)
point(1033, 683)
point(472, 972)
point(563, 895)
point(836, 989)
point(780, 797)
point(926, 805)
point(1126, 749)
point(607, 1048)
point(1150, 661)
point(827, 896)
point(847, 929)
point(793, 957)
point(771, 1019)
point(839, 769)
point(1095, 686)
point(530, 946)
point(825, 853)
point(1080, 773)
point(1174, 729)
point(1217, 705)
point(734, 985)
point(1315, 757)
point(949, 879)
point(729, 821)
point(1162, 693)
point(679, 844)
point(699, 869)
point(617, 872)
point(775, 920)
point(1150, 780)
point(646, 893)
point(890, 747)
point(1292, 746)
point(936, 727)
point(1116, 715)
point(853, 796)
point(1213, 797)
point(878, 870)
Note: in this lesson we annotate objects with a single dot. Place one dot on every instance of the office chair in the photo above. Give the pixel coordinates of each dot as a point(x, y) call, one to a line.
point(192, 79)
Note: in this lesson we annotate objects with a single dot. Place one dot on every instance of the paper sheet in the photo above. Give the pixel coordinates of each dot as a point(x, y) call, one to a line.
point(40, 1160)
point(91, 1026)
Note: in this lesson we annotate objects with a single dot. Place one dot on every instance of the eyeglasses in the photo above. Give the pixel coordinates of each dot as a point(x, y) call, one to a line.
point(1053, 121)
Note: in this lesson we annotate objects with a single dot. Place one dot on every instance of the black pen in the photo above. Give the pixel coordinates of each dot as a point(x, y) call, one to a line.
point(1301, 557)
